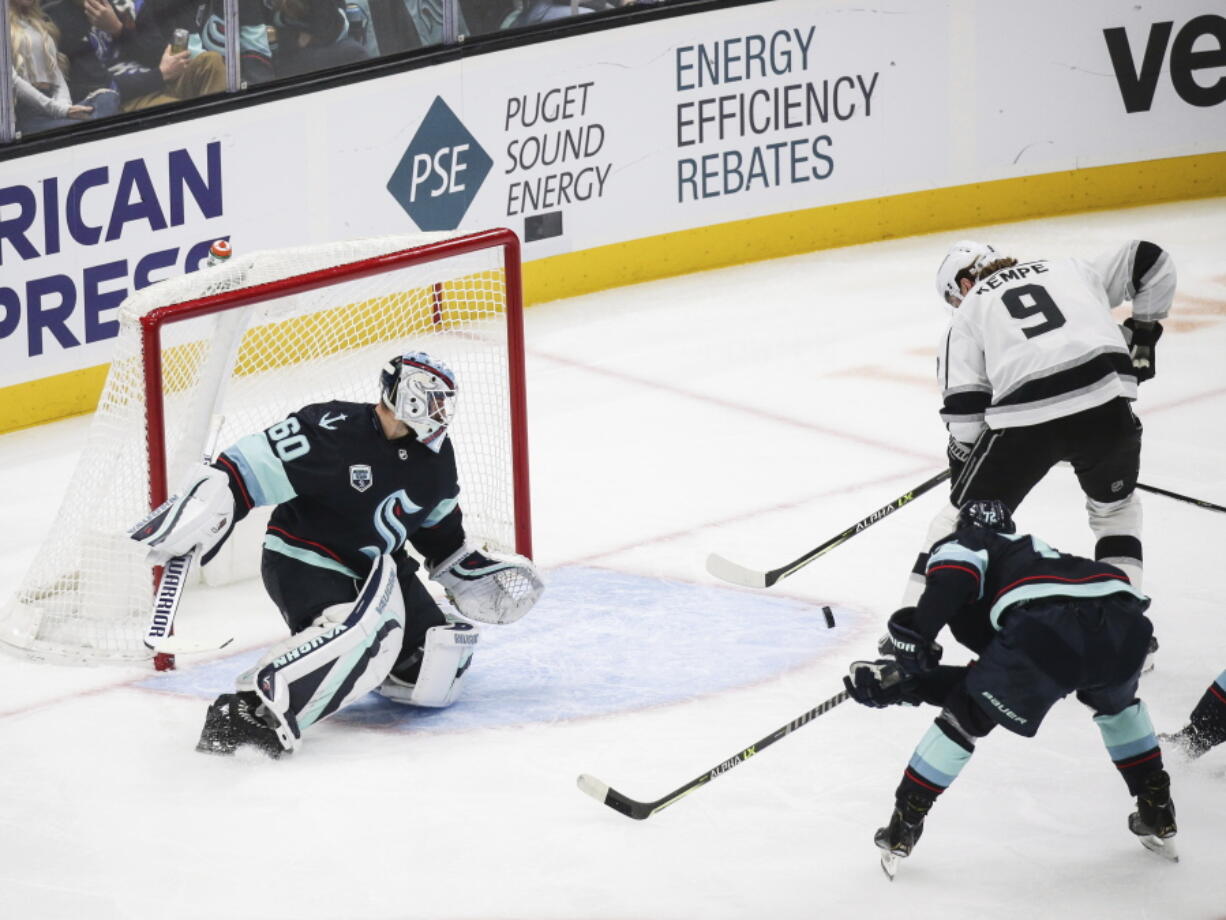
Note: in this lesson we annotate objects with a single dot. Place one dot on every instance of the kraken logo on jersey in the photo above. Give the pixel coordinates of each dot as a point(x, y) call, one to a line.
point(360, 476)
point(388, 524)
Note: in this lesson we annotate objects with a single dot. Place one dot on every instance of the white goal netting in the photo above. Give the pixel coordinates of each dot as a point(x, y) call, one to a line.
point(86, 598)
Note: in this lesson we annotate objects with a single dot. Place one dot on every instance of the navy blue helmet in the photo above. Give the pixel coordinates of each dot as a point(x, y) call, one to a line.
point(991, 513)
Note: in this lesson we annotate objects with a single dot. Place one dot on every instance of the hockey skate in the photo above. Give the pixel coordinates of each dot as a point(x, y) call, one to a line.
point(899, 837)
point(1154, 820)
point(1190, 741)
point(236, 720)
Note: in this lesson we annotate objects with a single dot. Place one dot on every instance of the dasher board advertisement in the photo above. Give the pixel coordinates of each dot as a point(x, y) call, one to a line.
point(660, 127)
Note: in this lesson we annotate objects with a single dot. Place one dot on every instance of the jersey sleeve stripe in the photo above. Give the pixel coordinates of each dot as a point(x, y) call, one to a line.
point(1145, 258)
point(956, 552)
point(958, 568)
point(261, 470)
point(441, 510)
point(965, 406)
point(237, 477)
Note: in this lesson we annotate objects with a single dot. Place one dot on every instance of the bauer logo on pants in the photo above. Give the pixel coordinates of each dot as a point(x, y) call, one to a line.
point(360, 477)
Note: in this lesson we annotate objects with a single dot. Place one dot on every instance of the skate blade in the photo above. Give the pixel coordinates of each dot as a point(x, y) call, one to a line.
point(889, 864)
point(1164, 848)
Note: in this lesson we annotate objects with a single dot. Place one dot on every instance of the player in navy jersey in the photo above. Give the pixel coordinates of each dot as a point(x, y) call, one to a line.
point(351, 483)
point(1034, 371)
point(1044, 624)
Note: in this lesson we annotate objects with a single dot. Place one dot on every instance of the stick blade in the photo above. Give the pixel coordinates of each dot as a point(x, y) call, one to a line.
point(593, 787)
point(607, 795)
point(731, 572)
point(178, 645)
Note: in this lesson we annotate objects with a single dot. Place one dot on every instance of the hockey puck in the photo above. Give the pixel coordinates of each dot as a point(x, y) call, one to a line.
point(829, 617)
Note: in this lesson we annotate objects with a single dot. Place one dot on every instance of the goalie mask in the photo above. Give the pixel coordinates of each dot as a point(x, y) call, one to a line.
point(420, 391)
point(963, 260)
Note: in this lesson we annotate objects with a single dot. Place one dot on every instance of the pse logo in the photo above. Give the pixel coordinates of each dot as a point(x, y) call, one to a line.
point(440, 172)
point(1199, 45)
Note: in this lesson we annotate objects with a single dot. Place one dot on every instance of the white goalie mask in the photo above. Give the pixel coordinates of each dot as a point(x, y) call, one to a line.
point(420, 391)
point(964, 256)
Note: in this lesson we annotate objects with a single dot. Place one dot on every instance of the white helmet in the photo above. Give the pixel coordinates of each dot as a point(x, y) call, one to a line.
point(963, 256)
point(420, 391)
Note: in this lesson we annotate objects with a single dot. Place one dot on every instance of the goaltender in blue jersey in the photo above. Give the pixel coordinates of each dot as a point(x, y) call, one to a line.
point(1044, 624)
point(352, 484)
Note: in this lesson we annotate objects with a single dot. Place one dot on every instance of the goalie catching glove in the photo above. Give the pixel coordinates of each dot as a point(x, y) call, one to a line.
point(489, 587)
point(200, 516)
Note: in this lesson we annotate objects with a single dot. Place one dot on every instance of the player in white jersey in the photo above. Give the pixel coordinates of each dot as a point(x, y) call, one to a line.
point(1034, 371)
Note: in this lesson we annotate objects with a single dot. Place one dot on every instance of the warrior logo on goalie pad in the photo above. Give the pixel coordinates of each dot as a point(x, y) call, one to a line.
point(360, 477)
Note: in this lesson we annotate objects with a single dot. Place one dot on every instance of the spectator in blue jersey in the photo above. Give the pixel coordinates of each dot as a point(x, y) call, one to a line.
point(1045, 624)
point(312, 35)
point(1206, 726)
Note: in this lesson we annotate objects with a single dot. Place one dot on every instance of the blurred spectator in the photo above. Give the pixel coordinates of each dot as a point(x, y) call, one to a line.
point(531, 12)
point(406, 25)
point(427, 17)
point(314, 35)
point(44, 99)
point(127, 40)
point(205, 23)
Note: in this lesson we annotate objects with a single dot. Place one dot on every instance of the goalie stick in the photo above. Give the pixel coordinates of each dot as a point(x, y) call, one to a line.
point(640, 811)
point(740, 575)
point(1183, 498)
point(159, 633)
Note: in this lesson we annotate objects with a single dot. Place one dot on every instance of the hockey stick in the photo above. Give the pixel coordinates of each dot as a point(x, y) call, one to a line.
point(159, 633)
point(640, 811)
point(1183, 498)
point(739, 575)
point(166, 601)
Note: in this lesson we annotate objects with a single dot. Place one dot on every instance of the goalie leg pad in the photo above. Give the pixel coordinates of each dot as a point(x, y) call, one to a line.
point(342, 656)
point(446, 655)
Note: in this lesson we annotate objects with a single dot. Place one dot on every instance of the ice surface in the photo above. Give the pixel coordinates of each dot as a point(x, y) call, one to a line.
point(755, 412)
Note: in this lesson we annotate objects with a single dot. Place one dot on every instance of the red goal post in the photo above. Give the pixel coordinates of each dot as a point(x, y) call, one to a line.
point(241, 344)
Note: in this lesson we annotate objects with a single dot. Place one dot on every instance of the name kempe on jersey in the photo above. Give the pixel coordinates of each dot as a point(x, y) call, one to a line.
point(344, 493)
point(1037, 341)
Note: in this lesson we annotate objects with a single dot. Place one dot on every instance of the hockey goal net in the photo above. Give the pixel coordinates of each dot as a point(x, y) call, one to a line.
point(231, 349)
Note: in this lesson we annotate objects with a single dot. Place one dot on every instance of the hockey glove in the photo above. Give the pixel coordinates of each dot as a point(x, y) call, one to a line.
point(1143, 346)
point(880, 684)
point(201, 515)
point(489, 587)
point(957, 452)
point(914, 652)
